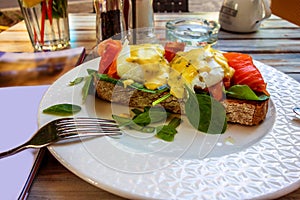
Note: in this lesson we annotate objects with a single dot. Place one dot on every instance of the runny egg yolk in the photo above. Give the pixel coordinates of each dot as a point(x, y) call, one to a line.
point(201, 67)
point(144, 63)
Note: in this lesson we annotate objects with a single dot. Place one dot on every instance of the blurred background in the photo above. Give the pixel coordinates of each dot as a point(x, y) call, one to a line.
point(10, 13)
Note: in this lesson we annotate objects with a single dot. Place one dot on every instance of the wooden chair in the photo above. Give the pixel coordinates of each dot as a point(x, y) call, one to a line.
point(170, 6)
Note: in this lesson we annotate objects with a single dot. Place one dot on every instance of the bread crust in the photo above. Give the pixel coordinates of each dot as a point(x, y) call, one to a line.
point(245, 112)
point(237, 111)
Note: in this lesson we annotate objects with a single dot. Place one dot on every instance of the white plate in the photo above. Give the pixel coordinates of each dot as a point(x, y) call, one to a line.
point(246, 162)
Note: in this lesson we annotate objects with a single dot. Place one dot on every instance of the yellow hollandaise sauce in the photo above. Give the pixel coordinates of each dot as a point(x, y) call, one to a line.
point(145, 63)
point(202, 67)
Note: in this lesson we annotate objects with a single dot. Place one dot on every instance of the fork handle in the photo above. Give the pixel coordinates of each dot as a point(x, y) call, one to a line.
point(14, 150)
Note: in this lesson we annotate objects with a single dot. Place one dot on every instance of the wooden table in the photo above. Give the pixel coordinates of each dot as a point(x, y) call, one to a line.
point(277, 44)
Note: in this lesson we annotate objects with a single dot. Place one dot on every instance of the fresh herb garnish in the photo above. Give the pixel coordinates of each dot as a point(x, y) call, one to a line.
point(150, 115)
point(168, 132)
point(205, 113)
point(244, 92)
point(62, 109)
point(86, 87)
point(76, 81)
point(88, 84)
point(91, 71)
point(163, 98)
point(127, 122)
point(105, 77)
point(143, 119)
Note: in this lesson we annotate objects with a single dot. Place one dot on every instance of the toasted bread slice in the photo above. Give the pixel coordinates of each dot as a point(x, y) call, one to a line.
point(135, 98)
point(237, 111)
point(245, 112)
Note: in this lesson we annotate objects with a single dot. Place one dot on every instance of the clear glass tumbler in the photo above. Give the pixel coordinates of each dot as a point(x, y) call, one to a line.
point(194, 32)
point(47, 23)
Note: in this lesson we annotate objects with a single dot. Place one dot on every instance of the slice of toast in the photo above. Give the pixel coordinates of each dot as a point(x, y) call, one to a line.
point(237, 111)
point(245, 112)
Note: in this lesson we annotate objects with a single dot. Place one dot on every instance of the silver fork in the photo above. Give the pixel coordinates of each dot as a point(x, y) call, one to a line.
point(66, 128)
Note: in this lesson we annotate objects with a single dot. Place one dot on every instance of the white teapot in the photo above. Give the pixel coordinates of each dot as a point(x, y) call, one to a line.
point(243, 16)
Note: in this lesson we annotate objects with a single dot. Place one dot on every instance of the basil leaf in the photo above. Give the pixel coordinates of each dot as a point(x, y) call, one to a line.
point(105, 77)
point(244, 92)
point(123, 121)
point(175, 122)
point(86, 87)
point(150, 115)
point(91, 71)
point(205, 113)
point(76, 81)
point(168, 132)
point(62, 109)
point(136, 111)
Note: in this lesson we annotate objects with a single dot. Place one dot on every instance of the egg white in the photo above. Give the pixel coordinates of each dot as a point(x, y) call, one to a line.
point(144, 64)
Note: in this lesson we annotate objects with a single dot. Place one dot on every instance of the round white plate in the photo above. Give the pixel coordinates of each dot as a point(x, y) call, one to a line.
point(243, 163)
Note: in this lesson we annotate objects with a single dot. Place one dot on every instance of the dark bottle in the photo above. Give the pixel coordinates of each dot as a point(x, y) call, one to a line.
point(109, 19)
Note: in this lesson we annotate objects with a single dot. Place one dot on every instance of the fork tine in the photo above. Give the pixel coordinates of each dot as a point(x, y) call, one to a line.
point(87, 127)
point(89, 134)
point(77, 127)
point(87, 120)
point(86, 130)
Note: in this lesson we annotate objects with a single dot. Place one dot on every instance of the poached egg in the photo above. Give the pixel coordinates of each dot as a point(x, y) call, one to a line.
point(201, 67)
point(144, 63)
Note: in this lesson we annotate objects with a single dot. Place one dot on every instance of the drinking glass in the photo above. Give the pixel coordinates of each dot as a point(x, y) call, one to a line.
point(194, 32)
point(47, 23)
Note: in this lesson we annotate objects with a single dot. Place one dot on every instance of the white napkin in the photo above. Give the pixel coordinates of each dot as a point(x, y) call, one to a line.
point(18, 122)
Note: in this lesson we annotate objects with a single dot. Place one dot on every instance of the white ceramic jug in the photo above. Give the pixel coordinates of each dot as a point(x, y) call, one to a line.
point(243, 15)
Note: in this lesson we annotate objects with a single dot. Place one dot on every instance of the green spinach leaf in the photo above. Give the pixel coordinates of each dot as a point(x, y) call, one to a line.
point(205, 113)
point(62, 109)
point(123, 121)
point(86, 87)
point(244, 92)
point(91, 71)
point(168, 132)
point(105, 77)
point(76, 81)
point(150, 115)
